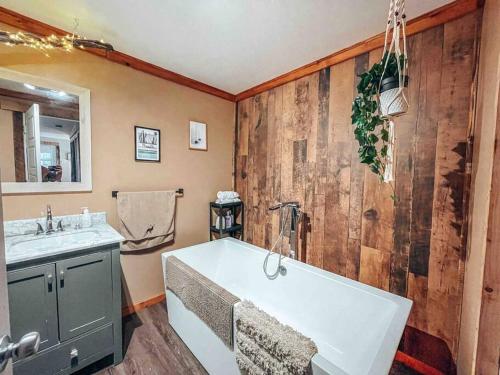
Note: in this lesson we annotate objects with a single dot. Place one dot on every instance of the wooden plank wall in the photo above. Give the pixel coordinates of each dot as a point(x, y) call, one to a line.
point(488, 353)
point(295, 142)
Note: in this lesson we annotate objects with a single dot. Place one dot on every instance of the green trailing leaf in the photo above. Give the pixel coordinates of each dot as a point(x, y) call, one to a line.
point(370, 128)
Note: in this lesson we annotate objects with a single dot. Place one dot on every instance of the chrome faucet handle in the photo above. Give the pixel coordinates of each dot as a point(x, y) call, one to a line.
point(60, 227)
point(39, 229)
point(49, 227)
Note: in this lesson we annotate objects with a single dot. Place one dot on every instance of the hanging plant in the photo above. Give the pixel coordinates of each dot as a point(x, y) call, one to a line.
point(371, 125)
point(381, 97)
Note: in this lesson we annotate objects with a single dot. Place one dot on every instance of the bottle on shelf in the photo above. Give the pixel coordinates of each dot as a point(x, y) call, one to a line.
point(220, 222)
point(229, 221)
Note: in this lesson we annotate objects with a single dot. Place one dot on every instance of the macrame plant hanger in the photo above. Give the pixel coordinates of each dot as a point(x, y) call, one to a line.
point(394, 102)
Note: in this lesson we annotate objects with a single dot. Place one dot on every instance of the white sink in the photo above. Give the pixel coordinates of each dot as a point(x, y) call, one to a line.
point(49, 242)
point(22, 245)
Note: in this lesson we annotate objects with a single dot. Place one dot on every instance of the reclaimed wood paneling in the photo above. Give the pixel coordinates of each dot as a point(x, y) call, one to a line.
point(446, 258)
point(303, 149)
point(488, 357)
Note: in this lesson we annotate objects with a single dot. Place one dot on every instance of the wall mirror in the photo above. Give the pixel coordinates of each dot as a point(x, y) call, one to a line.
point(45, 135)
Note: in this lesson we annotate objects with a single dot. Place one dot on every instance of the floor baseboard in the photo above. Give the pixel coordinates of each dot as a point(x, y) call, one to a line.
point(127, 310)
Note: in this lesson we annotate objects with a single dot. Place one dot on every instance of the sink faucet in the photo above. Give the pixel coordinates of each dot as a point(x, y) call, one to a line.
point(49, 224)
point(49, 227)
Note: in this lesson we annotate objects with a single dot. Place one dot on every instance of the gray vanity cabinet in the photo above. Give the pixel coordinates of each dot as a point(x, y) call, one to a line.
point(33, 299)
point(84, 293)
point(74, 301)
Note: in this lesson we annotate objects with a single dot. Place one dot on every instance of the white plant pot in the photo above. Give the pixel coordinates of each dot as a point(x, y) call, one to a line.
point(392, 103)
point(392, 100)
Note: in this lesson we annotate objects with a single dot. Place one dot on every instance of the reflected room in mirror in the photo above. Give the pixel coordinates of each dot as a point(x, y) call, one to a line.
point(39, 134)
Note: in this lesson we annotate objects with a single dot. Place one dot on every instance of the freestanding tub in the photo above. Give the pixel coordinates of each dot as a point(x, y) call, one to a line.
point(356, 327)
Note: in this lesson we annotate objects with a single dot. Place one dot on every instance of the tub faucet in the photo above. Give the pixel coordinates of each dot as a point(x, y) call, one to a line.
point(295, 215)
point(289, 212)
point(294, 221)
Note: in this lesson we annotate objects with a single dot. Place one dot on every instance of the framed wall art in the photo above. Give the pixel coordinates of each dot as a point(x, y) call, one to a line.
point(198, 136)
point(147, 144)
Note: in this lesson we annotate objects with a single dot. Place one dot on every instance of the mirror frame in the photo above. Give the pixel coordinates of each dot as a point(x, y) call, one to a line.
point(85, 185)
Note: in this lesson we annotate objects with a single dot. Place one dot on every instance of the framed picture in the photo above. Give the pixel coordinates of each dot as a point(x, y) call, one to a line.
point(197, 136)
point(147, 144)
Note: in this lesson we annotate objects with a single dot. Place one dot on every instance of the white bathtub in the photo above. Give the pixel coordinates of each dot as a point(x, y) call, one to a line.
point(356, 327)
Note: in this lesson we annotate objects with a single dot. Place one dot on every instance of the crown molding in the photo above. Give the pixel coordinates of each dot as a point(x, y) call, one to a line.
point(31, 25)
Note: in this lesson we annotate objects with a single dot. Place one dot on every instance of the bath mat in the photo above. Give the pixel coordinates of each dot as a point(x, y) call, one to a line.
point(209, 301)
point(266, 346)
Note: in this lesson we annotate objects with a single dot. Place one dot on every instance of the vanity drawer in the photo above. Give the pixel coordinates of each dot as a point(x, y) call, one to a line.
point(70, 356)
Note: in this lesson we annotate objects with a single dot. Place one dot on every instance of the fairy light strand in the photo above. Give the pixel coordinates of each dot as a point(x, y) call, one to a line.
point(46, 44)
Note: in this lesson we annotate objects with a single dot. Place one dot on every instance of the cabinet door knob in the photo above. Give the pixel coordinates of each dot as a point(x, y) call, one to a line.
point(73, 353)
point(50, 279)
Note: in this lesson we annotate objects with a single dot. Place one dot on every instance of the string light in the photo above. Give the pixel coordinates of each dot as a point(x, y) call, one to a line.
point(45, 44)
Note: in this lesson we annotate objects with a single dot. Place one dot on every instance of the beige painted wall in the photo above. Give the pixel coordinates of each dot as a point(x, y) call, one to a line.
point(7, 146)
point(121, 98)
point(489, 79)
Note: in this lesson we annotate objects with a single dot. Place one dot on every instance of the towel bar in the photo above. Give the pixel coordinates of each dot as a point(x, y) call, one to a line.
point(179, 191)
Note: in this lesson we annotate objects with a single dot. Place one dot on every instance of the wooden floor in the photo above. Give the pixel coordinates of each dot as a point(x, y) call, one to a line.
point(151, 346)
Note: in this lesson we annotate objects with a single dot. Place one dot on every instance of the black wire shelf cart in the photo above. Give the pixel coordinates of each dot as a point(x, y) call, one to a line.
point(218, 212)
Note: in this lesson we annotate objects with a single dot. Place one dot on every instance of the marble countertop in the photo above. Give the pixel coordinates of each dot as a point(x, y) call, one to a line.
point(23, 245)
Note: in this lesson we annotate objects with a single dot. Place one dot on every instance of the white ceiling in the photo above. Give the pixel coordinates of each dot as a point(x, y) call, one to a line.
point(230, 44)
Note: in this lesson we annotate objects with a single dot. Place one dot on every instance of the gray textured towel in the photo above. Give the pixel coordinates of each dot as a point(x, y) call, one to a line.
point(265, 346)
point(147, 218)
point(212, 303)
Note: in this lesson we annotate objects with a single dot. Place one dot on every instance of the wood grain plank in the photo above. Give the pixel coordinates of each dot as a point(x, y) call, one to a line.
point(323, 130)
point(356, 186)
point(375, 267)
point(299, 164)
point(337, 208)
point(405, 129)
point(311, 163)
point(417, 292)
point(357, 169)
point(241, 172)
point(251, 180)
point(338, 168)
point(288, 138)
point(353, 264)
point(314, 254)
point(260, 192)
point(268, 191)
point(425, 153)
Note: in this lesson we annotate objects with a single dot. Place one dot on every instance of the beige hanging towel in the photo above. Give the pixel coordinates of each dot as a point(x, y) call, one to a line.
point(146, 219)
